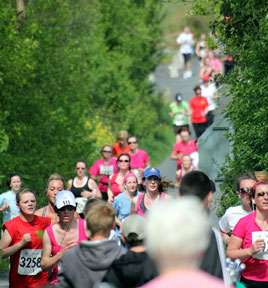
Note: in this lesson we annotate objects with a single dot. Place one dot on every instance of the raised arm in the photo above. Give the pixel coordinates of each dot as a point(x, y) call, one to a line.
point(5, 241)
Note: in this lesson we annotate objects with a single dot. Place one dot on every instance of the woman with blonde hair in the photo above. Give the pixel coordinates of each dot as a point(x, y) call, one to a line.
point(121, 146)
point(55, 184)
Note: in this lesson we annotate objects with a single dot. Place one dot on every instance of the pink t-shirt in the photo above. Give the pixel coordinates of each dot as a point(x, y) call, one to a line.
point(216, 64)
point(139, 159)
point(185, 278)
point(100, 168)
point(256, 270)
point(184, 149)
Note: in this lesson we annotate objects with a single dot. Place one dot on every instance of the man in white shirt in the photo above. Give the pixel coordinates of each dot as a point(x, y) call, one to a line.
point(233, 214)
point(186, 42)
point(209, 91)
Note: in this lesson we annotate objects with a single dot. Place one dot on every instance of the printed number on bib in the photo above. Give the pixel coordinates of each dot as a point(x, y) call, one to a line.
point(106, 170)
point(29, 263)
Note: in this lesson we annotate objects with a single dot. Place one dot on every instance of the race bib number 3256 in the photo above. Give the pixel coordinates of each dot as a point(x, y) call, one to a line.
point(29, 263)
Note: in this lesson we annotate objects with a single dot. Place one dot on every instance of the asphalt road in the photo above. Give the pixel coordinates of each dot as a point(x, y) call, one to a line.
point(170, 86)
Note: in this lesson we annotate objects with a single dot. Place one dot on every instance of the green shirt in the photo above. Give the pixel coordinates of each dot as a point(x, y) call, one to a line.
point(179, 119)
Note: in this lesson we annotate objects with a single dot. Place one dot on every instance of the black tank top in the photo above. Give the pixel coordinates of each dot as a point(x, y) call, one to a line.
point(77, 190)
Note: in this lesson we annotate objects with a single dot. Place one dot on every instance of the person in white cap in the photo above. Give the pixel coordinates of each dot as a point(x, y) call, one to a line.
point(85, 265)
point(65, 234)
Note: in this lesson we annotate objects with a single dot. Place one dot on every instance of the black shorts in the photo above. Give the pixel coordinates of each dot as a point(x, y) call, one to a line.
point(187, 57)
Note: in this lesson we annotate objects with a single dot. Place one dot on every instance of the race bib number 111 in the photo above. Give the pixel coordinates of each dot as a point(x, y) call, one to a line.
point(29, 263)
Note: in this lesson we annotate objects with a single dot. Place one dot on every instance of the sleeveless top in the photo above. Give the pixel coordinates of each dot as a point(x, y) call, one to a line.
point(115, 186)
point(77, 190)
point(56, 247)
point(141, 208)
point(180, 176)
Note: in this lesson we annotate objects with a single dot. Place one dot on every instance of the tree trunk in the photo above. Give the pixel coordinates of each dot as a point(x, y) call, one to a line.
point(20, 10)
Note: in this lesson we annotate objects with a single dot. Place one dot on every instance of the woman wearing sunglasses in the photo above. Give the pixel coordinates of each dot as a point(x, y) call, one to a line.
point(82, 187)
point(232, 215)
point(65, 234)
point(102, 169)
point(116, 185)
point(249, 241)
point(154, 192)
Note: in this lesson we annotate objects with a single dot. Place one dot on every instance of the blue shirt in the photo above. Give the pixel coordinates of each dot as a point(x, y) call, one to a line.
point(122, 206)
point(10, 199)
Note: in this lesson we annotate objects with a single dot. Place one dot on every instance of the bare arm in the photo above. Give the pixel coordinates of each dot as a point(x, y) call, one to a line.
point(234, 250)
point(225, 238)
point(177, 181)
point(109, 191)
point(69, 184)
point(133, 209)
point(175, 156)
point(95, 193)
point(6, 240)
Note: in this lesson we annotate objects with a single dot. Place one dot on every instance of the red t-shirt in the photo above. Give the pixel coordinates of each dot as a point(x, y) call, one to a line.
point(198, 105)
point(184, 149)
point(27, 260)
point(118, 151)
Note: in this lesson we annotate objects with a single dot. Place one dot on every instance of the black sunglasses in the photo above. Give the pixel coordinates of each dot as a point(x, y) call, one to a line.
point(68, 208)
point(121, 161)
point(132, 142)
point(261, 194)
point(244, 190)
point(107, 151)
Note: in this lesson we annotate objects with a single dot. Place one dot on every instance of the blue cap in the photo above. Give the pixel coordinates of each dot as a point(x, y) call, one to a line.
point(151, 171)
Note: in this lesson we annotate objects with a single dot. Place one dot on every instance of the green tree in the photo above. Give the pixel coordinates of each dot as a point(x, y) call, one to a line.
point(242, 27)
point(62, 66)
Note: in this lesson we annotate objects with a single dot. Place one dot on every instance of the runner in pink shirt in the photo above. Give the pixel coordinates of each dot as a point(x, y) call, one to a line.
point(185, 147)
point(102, 169)
point(139, 158)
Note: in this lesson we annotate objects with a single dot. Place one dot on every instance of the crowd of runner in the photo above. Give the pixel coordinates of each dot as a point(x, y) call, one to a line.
point(115, 223)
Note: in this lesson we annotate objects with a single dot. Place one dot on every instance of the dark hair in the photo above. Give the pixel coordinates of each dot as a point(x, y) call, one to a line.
point(127, 155)
point(196, 183)
point(197, 87)
point(9, 179)
point(82, 161)
point(105, 146)
point(23, 191)
point(184, 129)
point(245, 176)
point(132, 240)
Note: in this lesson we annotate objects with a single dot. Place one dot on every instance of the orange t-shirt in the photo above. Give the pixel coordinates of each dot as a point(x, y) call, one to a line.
point(118, 151)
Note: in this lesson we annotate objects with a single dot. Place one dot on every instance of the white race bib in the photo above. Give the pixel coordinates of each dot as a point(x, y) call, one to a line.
point(262, 255)
point(29, 263)
point(180, 119)
point(106, 170)
point(81, 203)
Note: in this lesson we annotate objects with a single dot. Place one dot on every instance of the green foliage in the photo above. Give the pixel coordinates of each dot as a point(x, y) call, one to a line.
point(68, 63)
point(244, 35)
